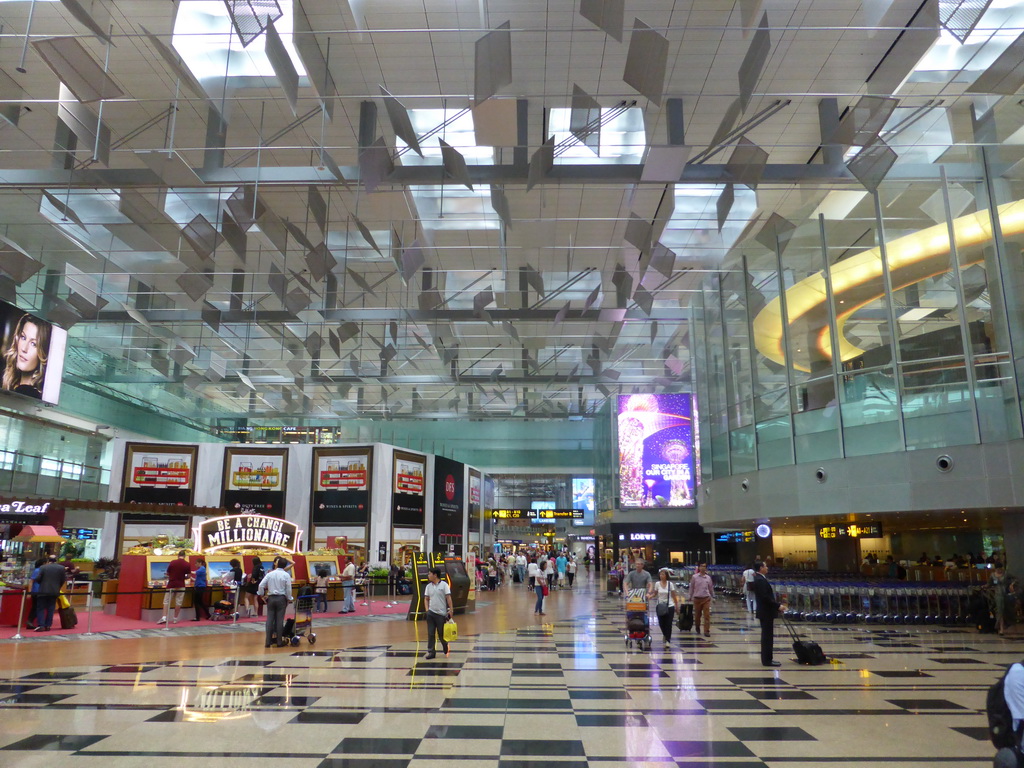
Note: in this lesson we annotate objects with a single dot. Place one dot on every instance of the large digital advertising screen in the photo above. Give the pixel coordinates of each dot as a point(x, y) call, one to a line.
point(33, 354)
point(159, 473)
point(341, 485)
point(408, 486)
point(656, 450)
point(254, 481)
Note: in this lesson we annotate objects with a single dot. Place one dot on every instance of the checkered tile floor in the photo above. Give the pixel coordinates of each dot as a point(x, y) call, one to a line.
point(555, 695)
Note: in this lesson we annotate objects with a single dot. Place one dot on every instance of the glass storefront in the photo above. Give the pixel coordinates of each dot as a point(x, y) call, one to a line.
point(860, 320)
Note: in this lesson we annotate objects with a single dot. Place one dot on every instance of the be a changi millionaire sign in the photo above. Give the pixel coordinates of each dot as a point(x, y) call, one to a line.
point(247, 531)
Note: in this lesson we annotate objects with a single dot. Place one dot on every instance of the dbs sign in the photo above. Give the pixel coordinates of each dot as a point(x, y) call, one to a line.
point(449, 487)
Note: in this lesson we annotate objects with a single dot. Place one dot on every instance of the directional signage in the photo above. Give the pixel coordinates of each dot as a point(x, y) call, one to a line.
point(850, 531)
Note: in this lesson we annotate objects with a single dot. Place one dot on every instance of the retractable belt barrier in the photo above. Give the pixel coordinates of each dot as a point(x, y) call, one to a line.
point(367, 586)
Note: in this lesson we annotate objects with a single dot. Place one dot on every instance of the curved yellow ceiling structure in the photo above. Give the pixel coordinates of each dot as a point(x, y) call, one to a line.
point(858, 280)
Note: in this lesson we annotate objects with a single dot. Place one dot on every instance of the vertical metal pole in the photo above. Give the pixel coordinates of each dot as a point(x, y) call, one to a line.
point(99, 110)
point(88, 612)
point(786, 365)
point(21, 615)
point(28, 29)
point(896, 355)
point(958, 287)
point(833, 328)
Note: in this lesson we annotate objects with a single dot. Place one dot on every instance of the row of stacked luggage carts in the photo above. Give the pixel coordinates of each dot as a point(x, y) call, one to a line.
point(852, 599)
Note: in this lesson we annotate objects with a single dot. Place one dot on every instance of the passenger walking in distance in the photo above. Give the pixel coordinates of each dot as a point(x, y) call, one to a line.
point(348, 584)
point(277, 586)
point(768, 608)
point(439, 609)
point(666, 603)
point(702, 592)
point(748, 588)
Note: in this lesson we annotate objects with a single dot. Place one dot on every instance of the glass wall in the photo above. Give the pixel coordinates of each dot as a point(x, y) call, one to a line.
point(872, 318)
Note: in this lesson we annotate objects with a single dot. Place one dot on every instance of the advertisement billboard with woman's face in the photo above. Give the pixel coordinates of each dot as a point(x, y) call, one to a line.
point(33, 354)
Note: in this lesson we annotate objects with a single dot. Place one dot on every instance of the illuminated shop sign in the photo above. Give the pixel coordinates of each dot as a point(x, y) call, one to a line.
point(638, 537)
point(23, 508)
point(247, 531)
point(851, 531)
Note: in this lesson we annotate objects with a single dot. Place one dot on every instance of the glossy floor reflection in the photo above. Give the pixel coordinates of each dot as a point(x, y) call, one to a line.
point(566, 693)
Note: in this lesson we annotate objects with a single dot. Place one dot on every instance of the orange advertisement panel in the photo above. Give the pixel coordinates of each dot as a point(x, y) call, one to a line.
point(159, 473)
point(409, 476)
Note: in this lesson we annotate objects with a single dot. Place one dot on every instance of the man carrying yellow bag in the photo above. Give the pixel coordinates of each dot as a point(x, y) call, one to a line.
point(439, 609)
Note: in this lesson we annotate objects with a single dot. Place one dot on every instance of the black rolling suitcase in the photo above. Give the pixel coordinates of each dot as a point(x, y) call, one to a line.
point(807, 651)
point(685, 620)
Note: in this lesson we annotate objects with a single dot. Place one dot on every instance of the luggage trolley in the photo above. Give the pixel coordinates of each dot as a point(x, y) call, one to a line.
point(638, 621)
point(302, 623)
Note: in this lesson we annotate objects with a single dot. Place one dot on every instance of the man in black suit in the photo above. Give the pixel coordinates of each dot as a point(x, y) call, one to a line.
point(767, 610)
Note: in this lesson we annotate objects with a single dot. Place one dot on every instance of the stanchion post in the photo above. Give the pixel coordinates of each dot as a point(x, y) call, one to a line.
point(21, 615)
point(88, 612)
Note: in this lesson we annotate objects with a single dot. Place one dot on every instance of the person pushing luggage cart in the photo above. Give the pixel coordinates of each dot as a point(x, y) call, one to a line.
point(301, 624)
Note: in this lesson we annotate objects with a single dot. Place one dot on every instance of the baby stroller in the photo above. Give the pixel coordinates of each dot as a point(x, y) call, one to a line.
point(302, 623)
point(638, 621)
point(223, 610)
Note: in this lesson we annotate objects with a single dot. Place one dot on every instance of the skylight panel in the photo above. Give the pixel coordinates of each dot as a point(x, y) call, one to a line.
point(454, 126)
point(692, 232)
point(208, 43)
point(622, 138)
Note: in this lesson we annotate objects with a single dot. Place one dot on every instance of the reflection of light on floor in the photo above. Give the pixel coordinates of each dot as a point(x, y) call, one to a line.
point(584, 647)
point(216, 704)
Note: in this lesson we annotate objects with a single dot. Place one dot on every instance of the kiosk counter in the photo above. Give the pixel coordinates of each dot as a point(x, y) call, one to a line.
point(329, 563)
point(142, 585)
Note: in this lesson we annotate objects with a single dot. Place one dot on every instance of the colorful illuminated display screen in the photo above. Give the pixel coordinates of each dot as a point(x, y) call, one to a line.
point(657, 437)
point(583, 493)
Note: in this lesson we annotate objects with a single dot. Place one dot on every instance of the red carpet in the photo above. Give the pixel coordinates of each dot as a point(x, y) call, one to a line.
point(102, 622)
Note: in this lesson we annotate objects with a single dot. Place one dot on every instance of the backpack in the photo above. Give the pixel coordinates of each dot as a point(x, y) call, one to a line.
point(1000, 721)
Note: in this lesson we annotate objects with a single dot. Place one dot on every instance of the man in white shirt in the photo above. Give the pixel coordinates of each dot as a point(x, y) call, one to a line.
point(533, 572)
point(521, 566)
point(748, 588)
point(277, 586)
point(438, 596)
point(348, 583)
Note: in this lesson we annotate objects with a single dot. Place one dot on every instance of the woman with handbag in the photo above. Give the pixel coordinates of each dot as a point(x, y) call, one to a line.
point(666, 602)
